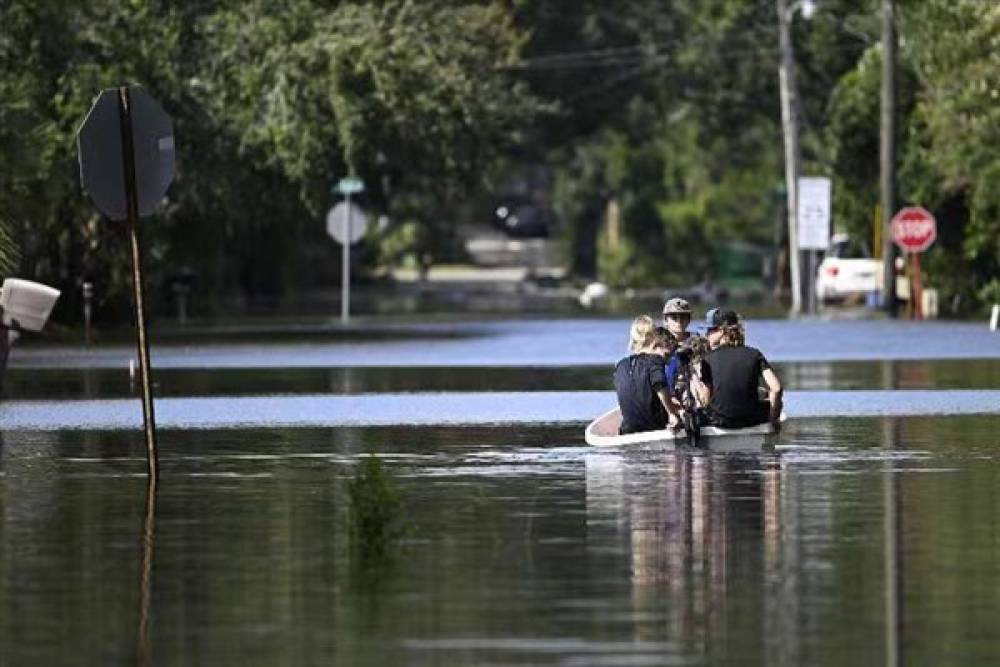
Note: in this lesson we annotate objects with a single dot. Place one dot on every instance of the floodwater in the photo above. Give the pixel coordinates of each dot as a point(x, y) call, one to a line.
point(866, 533)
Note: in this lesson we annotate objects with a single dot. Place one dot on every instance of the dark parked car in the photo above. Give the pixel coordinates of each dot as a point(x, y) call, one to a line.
point(523, 219)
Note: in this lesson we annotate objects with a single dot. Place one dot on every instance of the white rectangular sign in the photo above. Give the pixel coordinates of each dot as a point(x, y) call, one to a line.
point(814, 213)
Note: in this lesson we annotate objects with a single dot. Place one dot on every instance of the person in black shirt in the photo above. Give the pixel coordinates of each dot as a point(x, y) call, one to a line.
point(736, 373)
point(640, 380)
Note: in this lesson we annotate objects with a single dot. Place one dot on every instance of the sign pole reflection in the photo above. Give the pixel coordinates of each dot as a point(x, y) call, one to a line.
point(892, 543)
point(143, 649)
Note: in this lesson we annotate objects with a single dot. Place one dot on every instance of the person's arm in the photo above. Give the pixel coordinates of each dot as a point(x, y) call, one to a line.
point(701, 383)
point(658, 382)
point(775, 393)
point(673, 419)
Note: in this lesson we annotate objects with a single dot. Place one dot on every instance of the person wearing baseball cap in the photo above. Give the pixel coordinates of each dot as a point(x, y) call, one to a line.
point(716, 319)
point(687, 373)
point(736, 372)
point(677, 317)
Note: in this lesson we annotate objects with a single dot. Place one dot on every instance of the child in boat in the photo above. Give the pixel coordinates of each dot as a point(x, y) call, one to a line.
point(640, 379)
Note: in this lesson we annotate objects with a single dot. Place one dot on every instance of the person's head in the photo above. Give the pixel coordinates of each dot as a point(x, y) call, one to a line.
point(640, 332)
point(723, 328)
point(661, 342)
point(677, 316)
point(645, 336)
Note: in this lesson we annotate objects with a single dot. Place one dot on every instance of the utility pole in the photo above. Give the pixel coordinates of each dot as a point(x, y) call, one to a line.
point(887, 155)
point(793, 152)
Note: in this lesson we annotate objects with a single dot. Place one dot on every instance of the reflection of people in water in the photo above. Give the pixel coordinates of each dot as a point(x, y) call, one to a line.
point(696, 528)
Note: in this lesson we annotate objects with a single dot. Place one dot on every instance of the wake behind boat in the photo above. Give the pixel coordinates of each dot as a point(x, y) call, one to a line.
point(603, 432)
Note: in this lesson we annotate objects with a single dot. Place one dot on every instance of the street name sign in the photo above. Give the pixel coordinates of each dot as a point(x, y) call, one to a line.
point(350, 185)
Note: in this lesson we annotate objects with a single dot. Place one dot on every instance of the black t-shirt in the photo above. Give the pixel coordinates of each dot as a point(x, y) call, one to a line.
point(637, 379)
point(736, 374)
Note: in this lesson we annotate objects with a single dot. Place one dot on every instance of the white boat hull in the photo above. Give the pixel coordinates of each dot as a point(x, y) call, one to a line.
point(603, 432)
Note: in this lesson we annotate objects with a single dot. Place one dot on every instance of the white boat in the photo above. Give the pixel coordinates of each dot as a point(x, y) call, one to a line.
point(603, 432)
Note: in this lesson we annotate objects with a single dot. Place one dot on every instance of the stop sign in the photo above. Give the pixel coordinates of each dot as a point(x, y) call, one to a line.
point(914, 229)
point(102, 164)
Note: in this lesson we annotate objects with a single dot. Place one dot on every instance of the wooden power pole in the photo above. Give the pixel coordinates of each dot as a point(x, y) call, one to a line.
point(793, 151)
point(887, 155)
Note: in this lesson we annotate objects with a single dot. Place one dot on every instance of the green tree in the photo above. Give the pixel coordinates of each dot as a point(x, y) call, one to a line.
point(272, 102)
point(952, 152)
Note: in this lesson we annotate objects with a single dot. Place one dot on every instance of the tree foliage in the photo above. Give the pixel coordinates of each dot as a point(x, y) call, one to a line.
point(662, 111)
point(272, 103)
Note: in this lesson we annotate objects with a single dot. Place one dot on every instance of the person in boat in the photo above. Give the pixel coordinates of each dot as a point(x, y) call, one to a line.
point(641, 382)
point(677, 317)
point(736, 371)
point(685, 370)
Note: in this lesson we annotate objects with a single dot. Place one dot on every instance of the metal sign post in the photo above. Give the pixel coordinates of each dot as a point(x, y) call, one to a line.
point(126, 147)
point(88, 296)
point(345, 275)
point(346, 225)
point(142, 341)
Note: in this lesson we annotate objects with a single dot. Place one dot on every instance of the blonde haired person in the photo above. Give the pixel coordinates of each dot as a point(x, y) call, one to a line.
point(640, 379)
point(736, 373)
point(639, 333)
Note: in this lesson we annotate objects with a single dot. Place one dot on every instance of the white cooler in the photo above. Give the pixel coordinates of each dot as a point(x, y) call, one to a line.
point(28, 302)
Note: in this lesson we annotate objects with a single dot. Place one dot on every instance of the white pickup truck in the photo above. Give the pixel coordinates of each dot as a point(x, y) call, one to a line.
point(847, 271)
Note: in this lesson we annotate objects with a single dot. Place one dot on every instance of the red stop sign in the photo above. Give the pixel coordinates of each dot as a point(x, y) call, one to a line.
point(914, 229)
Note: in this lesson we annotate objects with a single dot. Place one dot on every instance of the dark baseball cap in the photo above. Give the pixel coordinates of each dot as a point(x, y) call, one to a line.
point(721, 317)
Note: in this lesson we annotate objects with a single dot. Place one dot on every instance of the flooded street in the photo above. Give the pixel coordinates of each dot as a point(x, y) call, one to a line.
point(866, 533)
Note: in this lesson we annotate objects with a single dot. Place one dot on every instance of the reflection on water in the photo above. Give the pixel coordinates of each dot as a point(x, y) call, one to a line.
point(534, 343)
point(90, 383)
point(694, 528)
point(458, 408)
point(143, 650)
point(850, 541)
